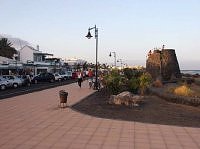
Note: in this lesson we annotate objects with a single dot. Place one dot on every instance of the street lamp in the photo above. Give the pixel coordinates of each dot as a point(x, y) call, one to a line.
point(126, 65)
point(16, 58)
point(55, 65)
point(96, 37)
point(114, 57)
point(120, 60)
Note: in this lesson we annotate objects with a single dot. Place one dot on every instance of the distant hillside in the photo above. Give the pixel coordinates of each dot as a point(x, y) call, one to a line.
point(17, 43)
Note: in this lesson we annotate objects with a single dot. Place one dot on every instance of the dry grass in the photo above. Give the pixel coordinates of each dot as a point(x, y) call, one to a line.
point(183, 91)
point(169, 90)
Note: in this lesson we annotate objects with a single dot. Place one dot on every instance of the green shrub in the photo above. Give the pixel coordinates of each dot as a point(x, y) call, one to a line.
point(117, 83)
point(144, 82)
point(113, 82)
point(133, 85)
point(137, 73)
point(128, 73)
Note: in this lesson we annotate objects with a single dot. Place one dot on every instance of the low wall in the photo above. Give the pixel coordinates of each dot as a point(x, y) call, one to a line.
point(192, 101)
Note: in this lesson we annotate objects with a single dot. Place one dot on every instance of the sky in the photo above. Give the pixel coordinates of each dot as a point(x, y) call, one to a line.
point(128, 27)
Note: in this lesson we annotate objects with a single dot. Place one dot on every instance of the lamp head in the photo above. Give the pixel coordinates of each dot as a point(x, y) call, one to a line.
point(89, 35)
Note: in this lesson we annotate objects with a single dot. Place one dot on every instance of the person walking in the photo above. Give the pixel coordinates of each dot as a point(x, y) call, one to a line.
point(80, 78)
point(90, 75)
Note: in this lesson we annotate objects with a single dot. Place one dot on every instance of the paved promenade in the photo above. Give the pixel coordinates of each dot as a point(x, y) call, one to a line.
point(34, 121)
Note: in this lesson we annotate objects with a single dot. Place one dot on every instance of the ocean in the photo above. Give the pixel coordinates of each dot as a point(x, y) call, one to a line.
point(192, 72)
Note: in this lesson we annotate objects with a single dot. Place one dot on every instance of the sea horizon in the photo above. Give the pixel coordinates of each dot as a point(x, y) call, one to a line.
point(188, 71)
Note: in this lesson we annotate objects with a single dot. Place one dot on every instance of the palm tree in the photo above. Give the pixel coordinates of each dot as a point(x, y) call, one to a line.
point(85, 66)
point(5, 43)
point(5, 48)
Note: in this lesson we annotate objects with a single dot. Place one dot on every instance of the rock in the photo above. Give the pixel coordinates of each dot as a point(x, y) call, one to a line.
point(163, 64)
point(126, 98)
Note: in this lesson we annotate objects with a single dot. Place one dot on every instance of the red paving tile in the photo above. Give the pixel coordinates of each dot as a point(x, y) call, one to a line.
point(35, 121)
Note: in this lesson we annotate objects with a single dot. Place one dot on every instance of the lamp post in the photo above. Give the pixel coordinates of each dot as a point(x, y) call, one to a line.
point(126, 65)
point(55, 65)
point(16, 58)
point(96, 37)
point(120, 60)
point(114, 57)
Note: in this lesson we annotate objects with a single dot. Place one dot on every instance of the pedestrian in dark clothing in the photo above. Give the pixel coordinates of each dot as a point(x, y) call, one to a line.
point(80, 79)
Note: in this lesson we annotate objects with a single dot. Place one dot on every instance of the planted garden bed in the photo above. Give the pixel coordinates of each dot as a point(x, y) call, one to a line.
point(154, 110)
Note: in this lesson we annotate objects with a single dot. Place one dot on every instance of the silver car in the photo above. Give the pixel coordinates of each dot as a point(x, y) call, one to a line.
point(4, 83)
point(66, 75)
point(13, 80)
point(58, 77)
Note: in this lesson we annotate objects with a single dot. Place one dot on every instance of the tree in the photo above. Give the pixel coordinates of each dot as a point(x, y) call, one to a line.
point(5, 48)
point(91, 65)
point(85, 66)
point(77, 66)
point(5, 43)
point(104, 66)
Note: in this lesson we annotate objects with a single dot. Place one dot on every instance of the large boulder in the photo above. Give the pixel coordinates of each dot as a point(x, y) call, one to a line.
point(126, 98)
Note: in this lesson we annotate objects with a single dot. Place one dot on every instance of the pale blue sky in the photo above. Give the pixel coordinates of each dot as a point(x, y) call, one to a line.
point(129, 27)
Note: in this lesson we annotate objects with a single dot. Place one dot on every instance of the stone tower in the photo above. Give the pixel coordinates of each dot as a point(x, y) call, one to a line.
point(163, 64)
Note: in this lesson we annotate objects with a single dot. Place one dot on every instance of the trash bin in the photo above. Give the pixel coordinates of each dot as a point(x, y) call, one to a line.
point(63, 97)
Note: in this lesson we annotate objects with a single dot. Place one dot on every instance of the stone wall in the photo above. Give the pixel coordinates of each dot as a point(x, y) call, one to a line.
point(163, 64)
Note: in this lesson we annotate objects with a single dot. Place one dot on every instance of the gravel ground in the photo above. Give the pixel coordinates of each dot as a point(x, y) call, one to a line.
point(154, 110)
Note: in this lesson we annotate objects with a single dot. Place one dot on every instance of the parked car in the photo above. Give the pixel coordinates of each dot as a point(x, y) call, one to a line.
point(44, 77)
point(66, 75)
point(4, 83)
point(26, 80)
point(14, 81)
point(58, 77)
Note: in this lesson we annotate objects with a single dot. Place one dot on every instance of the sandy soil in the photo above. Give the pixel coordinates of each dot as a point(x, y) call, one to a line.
point(154, 110)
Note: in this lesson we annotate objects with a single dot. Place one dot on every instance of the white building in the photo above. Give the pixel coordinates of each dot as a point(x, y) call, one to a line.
point(32, 57)
point(74, 61)
point(29, 54)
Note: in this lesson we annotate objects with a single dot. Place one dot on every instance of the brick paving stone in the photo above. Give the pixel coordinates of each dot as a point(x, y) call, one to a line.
point(109, 146)
point(60, 145)
point(138, 145)
point(8, 146)
point(24, 146)
point(35, 121)
point(158, 146)
point(174, 147)
point(92, 146)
